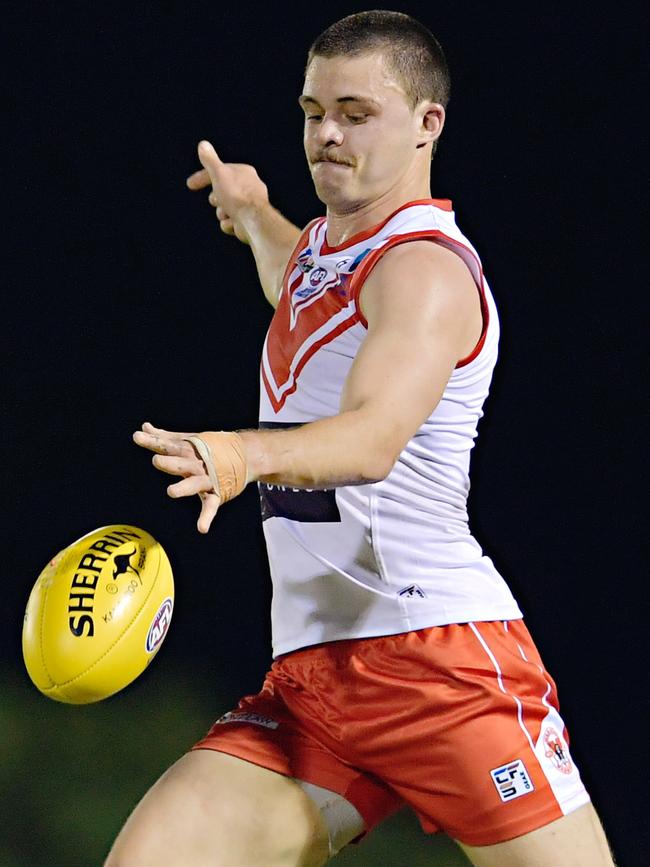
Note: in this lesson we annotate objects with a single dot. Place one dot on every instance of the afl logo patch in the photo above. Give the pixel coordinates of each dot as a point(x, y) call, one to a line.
point(556, 750)
point(317, 276)
point(159, 626)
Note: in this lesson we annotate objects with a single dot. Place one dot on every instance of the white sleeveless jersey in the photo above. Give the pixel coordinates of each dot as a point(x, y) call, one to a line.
point(396, 555)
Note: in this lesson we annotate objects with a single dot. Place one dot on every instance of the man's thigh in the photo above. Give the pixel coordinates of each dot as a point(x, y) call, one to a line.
point(575, 840)
point(215, 809)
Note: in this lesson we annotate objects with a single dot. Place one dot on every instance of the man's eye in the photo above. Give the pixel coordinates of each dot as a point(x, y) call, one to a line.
point(313, 117)
point(357, 118)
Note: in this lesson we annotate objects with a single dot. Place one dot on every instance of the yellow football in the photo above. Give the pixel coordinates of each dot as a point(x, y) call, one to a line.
point(97, 615)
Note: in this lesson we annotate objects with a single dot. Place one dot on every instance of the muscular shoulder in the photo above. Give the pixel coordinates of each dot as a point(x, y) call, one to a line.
point(422, 281)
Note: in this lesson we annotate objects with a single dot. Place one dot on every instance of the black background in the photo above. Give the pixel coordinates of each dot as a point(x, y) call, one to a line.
point(124, 303)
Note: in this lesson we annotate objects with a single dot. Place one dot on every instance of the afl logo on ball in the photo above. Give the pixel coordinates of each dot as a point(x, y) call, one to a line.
point(159, 626)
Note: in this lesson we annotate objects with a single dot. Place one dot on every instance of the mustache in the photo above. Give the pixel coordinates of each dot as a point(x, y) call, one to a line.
point(330, 158)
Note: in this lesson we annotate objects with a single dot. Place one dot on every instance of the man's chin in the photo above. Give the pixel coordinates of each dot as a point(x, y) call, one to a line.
point(334, 195)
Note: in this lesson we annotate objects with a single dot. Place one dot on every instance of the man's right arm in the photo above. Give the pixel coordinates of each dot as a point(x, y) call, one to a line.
point(272, 239)
point(243, 210)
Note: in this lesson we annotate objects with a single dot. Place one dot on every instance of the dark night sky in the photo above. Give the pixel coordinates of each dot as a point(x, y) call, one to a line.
point(125, 303)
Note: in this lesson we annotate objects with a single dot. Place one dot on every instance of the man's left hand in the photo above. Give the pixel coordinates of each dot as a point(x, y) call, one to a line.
point(176, 456)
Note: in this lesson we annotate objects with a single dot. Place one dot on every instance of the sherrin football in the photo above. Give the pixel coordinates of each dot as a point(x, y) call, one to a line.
point(97, 615)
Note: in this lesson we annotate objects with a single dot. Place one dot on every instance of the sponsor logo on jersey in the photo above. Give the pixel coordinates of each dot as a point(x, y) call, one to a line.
point(413, 590)
point(303, 293)
point(296, 504)
point(159, 626)
point(556, 750)
point(248, 717)
point(512, 780)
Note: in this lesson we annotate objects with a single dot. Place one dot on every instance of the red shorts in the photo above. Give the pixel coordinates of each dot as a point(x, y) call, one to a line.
point(458, 722)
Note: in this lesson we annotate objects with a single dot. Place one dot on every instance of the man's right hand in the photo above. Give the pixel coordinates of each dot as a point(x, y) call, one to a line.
point(238, 193)
point(244, 210)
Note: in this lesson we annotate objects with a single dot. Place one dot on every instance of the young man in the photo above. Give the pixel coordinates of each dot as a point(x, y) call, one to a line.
point(403, 672)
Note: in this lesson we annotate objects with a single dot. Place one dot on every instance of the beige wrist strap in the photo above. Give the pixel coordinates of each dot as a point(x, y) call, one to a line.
point(223, 454)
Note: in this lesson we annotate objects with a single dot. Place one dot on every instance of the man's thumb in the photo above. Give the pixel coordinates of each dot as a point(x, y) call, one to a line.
point(208, 157)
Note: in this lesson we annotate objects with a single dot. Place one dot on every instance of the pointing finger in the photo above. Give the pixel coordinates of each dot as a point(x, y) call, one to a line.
point(209, 158)
point(206, 148)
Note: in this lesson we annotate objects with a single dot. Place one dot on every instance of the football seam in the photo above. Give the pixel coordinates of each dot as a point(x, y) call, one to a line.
point(117, 640)
point(40, 638)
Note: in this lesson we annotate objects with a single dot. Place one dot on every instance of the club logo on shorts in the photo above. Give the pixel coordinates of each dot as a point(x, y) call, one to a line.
point(556, 750)
point(512, 780)
point(248, 717)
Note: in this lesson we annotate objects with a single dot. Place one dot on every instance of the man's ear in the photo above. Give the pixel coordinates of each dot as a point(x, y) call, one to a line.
point(432, 120)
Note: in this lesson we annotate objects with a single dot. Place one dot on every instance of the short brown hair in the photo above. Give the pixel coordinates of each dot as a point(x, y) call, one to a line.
point(411, 51)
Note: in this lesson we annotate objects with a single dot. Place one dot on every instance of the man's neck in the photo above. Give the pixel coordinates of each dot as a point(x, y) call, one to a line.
point(341, 226)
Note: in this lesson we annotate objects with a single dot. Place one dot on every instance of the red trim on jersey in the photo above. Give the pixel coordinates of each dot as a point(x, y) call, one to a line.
point(313, 349)
point(360, 275)
point(443, 204)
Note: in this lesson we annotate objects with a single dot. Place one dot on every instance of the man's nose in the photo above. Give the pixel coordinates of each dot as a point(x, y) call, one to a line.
point(329, 132)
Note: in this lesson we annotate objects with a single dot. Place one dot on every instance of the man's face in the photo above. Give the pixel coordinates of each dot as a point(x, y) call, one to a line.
point(360, 132)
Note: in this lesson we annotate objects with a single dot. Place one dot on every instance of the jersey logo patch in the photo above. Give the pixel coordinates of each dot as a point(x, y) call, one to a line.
point(411, 591)
point(512, 780)
point(305, 261)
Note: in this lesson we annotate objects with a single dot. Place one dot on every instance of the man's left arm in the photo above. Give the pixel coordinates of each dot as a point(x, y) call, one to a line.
point(423, 312)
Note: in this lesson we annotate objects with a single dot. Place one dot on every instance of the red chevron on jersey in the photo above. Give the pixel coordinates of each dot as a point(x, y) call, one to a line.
point(313, 310)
